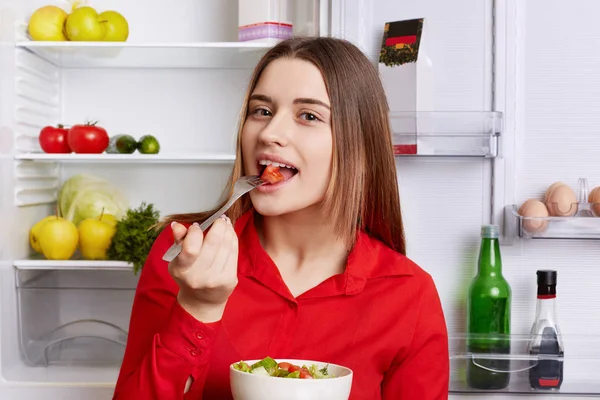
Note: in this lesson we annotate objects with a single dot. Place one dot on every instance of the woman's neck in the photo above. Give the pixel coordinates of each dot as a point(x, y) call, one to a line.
point(304, 247)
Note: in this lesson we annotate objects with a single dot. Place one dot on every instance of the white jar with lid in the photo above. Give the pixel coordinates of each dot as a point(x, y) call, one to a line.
point(264, 20)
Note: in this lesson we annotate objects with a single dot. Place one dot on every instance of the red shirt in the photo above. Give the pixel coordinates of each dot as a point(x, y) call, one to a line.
point(382, 318)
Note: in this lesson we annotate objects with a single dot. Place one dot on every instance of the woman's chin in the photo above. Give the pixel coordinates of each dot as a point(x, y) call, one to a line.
point(270, 208)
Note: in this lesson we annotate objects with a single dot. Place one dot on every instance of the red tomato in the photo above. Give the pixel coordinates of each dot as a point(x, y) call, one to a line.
point(54, 139)
point(88, 138)
point(293, 368)
point(272, 175)
point(304, 374)
point(285, 365)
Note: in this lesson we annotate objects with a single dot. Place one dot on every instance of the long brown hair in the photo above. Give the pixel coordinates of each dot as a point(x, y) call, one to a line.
point(363, 191)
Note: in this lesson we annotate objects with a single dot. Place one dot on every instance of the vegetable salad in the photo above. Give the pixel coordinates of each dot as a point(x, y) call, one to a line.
point(269, 367)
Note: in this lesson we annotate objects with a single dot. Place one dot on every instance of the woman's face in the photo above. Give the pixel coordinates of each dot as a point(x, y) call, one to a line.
point(289, 123)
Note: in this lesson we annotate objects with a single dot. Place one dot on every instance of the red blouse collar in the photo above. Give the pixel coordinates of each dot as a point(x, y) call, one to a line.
point(368, 259)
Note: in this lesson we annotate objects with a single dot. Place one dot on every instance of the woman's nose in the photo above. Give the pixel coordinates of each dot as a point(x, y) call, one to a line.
point(278, 130)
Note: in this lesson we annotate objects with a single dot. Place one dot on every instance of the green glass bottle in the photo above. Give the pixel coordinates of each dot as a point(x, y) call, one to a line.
point(488, 317)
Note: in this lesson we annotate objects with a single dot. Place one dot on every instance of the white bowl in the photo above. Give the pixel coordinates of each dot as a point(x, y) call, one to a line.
point(246, 386)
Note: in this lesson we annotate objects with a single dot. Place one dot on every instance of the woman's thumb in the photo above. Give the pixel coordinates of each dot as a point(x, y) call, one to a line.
point(179, 231)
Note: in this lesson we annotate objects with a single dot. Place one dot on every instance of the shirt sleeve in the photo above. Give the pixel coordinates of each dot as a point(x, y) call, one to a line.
point(422, 371)
point(165, 345)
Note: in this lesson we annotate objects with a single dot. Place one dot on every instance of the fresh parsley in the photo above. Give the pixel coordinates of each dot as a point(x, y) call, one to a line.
point(134, 236)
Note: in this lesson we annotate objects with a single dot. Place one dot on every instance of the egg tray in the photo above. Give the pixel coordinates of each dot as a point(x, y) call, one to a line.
point(581, 220)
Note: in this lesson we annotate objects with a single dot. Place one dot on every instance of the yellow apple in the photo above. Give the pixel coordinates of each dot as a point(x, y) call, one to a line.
point(83, 24)
point(117, 28)
point(95, 237)
point(58, 239)
point(47, 24)
point(34, 233)
point(109, 219)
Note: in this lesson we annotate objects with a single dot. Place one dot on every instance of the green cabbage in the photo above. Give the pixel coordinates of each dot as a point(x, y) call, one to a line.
point(85, 196)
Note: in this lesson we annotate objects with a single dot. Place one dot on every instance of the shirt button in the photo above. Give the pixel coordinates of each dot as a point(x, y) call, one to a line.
point(194, 352)
point(199, 336)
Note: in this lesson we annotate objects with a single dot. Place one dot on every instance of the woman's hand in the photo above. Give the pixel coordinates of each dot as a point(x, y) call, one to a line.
point(206, 268)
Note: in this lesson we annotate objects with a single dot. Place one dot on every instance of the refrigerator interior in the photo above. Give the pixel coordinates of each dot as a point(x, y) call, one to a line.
point(543, 79)
point(181, 77)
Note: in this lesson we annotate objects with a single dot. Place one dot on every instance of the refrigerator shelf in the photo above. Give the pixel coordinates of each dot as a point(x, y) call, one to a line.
point(446, 133)
point(69, 323)
point(582, 228)
point(42, 264)
point(232, 55)
point(85, 342)
point(583, 224)
point(581, 361)
point(194, 158)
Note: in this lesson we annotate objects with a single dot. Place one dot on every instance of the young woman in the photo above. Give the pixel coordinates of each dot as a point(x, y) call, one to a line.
point(313, 267)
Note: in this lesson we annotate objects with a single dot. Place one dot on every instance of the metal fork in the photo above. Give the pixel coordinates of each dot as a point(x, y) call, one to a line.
point(241, 187)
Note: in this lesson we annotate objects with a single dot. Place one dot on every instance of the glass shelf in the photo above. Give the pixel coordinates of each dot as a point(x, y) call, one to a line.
point(581, 363)
point(583, 224)
point(175, 158)
point(42, 264)
point(145, 55)
point(446, 133)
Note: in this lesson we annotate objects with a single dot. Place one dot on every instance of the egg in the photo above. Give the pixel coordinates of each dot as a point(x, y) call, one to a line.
point(561, 201)
point(533, 208)
point(594, 199)
point(551, 189)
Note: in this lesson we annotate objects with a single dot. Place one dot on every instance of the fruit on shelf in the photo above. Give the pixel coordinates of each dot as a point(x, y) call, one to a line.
point(84, 24)
point(109, 219)
point(148, 144)
point(88, 138)
point(116, 26)
point(53, 139)
point(47, 24)
point(34, 233)
point(95, 237)
point(122, 144)
point(58, 239)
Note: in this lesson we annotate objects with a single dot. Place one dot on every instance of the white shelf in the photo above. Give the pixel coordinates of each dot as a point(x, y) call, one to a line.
point(148, 55)
point(32, 264)
point(197, 158)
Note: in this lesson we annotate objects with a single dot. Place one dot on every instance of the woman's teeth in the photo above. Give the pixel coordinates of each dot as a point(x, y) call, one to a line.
point(275, 164)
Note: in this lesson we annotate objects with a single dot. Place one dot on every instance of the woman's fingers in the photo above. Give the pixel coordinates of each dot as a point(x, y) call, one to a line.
point(179, 231)
point(191, 246)
point(212, 243)
point(231, 267)
point(224, 252)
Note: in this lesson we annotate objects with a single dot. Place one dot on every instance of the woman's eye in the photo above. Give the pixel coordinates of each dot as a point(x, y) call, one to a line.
point(263, 112)
point(309, 116)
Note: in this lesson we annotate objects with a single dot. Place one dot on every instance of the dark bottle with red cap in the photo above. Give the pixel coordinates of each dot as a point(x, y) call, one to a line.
point(546, 343)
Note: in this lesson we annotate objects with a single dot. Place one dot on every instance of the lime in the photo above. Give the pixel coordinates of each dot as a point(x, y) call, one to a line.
point(148, 144)
point(126, 144)
point(122, 144)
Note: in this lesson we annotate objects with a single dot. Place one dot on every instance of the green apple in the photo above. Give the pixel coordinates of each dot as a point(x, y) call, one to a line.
point(83, 24)
point(117, 28)
point(47, 23)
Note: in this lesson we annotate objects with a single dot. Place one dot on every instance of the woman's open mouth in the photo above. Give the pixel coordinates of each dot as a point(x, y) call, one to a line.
point(273, 172)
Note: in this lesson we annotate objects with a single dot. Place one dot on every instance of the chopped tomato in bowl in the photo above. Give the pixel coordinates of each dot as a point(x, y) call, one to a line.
point(290, 380)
